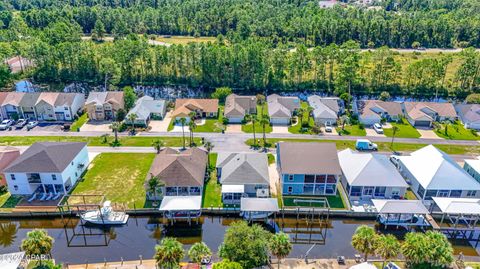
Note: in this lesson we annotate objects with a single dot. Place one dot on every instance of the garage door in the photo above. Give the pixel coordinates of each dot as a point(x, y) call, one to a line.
point(422, 123)
point(280, 121)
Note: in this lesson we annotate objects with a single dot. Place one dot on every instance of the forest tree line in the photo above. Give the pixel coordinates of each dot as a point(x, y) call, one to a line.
point(399, 24)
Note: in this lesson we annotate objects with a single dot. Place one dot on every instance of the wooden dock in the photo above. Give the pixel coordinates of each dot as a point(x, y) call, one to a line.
point(432, 222)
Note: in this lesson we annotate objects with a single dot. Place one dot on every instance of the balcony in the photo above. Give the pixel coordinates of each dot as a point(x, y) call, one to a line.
point(34, 178)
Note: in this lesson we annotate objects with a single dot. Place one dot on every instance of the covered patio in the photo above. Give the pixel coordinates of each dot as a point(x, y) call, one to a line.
point(258, 208)
point(231, 194)
point(181, 207)
point(402, 213)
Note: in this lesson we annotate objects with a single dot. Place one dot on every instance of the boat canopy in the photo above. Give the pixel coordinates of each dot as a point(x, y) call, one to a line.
point(11, 260)
point(450, 205)
point(181, 203)
point(399, 206)
point(259, 205)
point(233, 188)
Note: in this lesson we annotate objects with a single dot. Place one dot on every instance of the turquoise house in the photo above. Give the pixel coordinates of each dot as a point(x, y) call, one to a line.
point(308, 168)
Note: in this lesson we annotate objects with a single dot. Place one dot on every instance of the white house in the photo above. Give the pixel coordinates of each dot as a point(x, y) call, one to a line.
point(432, 173)
point(367, 176)
point(47, 167)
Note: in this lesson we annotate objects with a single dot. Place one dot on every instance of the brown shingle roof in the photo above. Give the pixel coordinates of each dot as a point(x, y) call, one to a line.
point(66, 98)
point(46, 157)
point(48, 97)
point(116, 97)
point(366, 107)
point(414, 109)
point(309, 158)
point(13, 98)
point(186, 168)
point(206, 105)
point(239, 106)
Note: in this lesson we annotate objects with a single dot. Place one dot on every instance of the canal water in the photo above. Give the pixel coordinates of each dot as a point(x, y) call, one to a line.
point(80, 244)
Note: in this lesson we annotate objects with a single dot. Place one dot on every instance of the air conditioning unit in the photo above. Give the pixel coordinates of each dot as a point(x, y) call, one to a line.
point(263, 193)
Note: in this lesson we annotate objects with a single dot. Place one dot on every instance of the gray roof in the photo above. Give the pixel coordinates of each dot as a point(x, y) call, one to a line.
point(146, 106)
point(385, 206)
point(243, 168)
point(96, 97)
point(67, 98)
point(29, 99)
point(259, 204)
point(324, 108)
point(239, 106)
point(282, 106)
point(46, 157)
point(367, 169)
point(468, 113)
point(308, 158)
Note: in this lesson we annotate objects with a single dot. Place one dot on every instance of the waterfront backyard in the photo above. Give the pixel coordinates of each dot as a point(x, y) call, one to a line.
point(118, 176)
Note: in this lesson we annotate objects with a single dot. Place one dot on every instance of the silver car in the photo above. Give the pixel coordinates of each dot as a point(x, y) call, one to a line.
point(5, 124)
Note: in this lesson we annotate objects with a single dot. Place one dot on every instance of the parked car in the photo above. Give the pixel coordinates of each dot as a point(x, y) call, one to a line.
point(378, 128)
point(21, 123)
point(328, 127)
point(394, 159)
point(31, 125)
point(6, 124)
point(365, 144)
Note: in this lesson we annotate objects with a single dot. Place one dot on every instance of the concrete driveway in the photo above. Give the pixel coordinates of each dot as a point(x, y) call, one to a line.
point(161, 125)
point(427, 133)
point(96, 126)
point(274, 178)
point(279, 129)
point(234, 128)
point(372, 132)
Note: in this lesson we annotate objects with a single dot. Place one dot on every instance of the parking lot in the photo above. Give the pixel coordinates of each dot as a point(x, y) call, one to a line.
point(42, 126)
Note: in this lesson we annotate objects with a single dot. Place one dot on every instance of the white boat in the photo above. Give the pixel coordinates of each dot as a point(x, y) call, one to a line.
point(105, 216)
point(255, 215)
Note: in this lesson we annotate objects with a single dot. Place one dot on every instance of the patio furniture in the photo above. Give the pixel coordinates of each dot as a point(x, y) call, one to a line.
point(58, 195)
point(44, 195)
point(49, 196)
point(32, 197)
point(341, 259)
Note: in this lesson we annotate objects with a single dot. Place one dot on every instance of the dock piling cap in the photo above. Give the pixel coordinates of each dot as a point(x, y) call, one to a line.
point(107, 204)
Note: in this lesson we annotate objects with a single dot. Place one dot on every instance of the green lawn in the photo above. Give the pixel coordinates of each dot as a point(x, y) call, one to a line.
point(130, 141)
point(212, 125)
point(248, 127)
point(409, 195)
point(8, 201)
point(306, 128)
point(353, 130)
point(382, 146)
point(118, 176)
point(79, 122)
point(212, 194)
point(405, 130)
point(474, 265)
point(335, 201)
point(271, 158)
point(456, 131)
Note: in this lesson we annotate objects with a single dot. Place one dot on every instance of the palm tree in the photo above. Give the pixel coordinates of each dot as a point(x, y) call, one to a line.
point(131, 118)
point(104, 138)
point(300, 113)
point(38, 242)
point(191, 126)
point(264, 120)
point(387, 247)
point(183, 121)
point(309, 110)
point(157, 145)
point(395, 129)
point(253, 119)
point(8, 233)
point(208, 146)
point(169, 253)
point(280, 246)
point(153, 184)
point(115, 126)
point(261, 102)
point(364, 240)
point(446, 124)
point(199, 251)
point(344, 119)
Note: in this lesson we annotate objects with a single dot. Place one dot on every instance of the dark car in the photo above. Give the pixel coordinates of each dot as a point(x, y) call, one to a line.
point(21, 123)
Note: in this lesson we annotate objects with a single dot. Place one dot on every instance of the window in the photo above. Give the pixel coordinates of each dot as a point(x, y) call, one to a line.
point(356, 191)
point(290, 177)
point(471, 193)
point(290, 189)
point(320, 179)
point(331, 179)
point(76, 174)
point(15, 187)
point(455, 193)
point(309, 178)
point(72, 163)
point(12, 176)
point(380, 191)
point(420, 191)
point(54, 177)
point(66, 108)
point(443, 193)
point(430, 193)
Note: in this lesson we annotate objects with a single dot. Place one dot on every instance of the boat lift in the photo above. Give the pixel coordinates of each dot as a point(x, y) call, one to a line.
point(70, 207)
point(403, 213)
point(459, 217)
point(177, 208)
point(255, 209)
